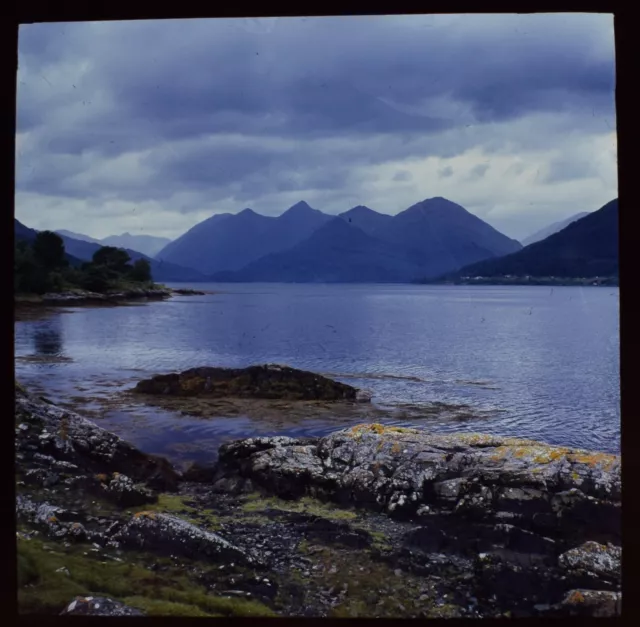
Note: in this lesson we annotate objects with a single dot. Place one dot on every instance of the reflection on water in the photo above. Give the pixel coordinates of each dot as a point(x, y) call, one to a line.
point(47, 342)
point(552, 375)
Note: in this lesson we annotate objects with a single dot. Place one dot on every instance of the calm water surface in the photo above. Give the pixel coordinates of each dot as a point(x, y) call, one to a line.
point(533, 362)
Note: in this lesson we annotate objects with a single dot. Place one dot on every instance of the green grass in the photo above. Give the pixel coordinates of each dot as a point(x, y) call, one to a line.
point(164, 593)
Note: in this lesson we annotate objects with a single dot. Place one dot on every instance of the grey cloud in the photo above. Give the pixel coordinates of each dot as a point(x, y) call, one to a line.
point(569, 169)
point(402, 175)
point(478, 171)
point(310, 101)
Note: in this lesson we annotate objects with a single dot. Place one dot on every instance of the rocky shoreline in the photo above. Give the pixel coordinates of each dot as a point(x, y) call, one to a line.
point(367, 521)
point(85, 297)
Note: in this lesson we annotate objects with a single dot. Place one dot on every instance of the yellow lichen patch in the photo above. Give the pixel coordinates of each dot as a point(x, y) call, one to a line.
point(379, 429)
point(396, 448)
point(192, 384)
point(576, 597)
point(102, 478)
point(116, 475)
point(53, 519)
point(538, 453)
point(604, 460)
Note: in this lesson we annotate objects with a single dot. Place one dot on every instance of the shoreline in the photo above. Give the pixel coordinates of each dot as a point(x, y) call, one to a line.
point(267, 531)
point(78, 298)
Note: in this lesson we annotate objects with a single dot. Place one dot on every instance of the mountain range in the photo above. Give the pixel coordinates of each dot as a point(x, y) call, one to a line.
point(360, 245)
point(149, 245)
point(431, 240)
point(552, 228)
point(587, 247)
point(230, 242)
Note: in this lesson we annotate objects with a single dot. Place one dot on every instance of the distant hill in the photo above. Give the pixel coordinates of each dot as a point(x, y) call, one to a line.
point(22, 232)
point(367, 220)
point(585, 248)
point(336, 253)
point(440, 236)
point(146, 244)
point(79, 251)
point(552, 228)
point(230, 242)
point(78, 236)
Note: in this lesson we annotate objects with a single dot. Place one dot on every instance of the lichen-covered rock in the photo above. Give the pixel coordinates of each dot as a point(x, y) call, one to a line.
point(266, 382)
point(596, 603)
point(171, 535)
point(100, 606)
point(58, 443)
point(123, 491)
point(595, 559)
point(553, 491)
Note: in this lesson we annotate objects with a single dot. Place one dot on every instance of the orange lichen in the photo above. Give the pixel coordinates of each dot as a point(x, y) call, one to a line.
point(576, 597)
point(53, 519)
point(146, 514)
point(604, 460)
point(396, 448)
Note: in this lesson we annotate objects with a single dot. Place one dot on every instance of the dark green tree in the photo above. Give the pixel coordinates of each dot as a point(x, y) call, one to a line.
point(113, 258)
point(48, 250)
point(96, 278)
point(141, 271)
point(29, 276)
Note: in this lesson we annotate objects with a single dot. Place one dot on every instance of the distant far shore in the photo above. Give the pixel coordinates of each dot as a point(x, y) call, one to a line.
point(513, 280)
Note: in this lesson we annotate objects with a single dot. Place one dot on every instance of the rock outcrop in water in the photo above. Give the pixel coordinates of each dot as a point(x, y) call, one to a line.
point(265, 382)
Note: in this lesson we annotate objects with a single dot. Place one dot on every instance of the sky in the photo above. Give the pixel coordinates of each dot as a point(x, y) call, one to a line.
point(152, 126)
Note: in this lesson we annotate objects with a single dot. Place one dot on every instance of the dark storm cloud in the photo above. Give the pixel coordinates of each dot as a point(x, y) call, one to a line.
point(240, 108)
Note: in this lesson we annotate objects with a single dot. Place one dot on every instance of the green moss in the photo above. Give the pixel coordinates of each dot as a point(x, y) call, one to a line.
point(351, 609)
point(157, 607)
point(306, 505)
point(380, 540)
point(176, 505)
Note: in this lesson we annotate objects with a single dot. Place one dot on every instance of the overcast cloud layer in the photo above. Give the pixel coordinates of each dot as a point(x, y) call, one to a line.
point(152, 126)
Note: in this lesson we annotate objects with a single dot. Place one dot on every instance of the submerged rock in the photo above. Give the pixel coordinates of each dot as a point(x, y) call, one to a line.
point(100, 606)
point(268, 382)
